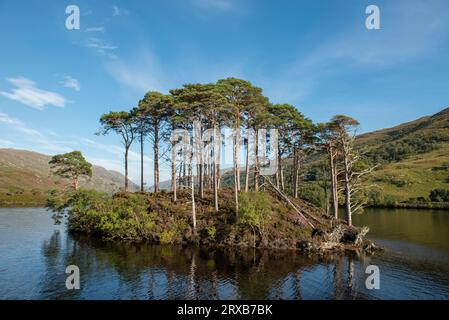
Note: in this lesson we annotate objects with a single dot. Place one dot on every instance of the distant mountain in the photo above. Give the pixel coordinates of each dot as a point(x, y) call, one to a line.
point(25, 178)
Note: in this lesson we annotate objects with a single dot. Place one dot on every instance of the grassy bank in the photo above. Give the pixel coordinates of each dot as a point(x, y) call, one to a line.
point(11, 200)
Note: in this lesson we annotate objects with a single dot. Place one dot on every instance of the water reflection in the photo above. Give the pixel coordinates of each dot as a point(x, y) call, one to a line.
point(35, 254)
point(140, 271)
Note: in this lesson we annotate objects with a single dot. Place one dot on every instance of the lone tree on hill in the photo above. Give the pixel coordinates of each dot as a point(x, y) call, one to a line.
point(71, 166)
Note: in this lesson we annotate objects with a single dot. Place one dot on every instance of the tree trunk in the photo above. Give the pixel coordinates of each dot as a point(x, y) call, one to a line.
point(236, 192)
point(201, 162)
point(282, 178)
point(184, 181)
point(280, 174)
point(293, 173)
point(206, 173)
point(333, 182)
point(141, 161)
point(237, 145)
point(181, 181)
point(126, 168)
point(247, 160)
point(298, 166)
point(237, 157)
point(256, 160)
point(192, 185)
point(347, 188)
point(189, 176)
point(156, 159)
point(214, 172)
point(173, 169)
point(219, 165)
point(296, 172)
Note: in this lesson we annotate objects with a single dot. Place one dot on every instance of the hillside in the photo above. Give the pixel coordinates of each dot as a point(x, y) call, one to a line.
point(413, 160)
point(25, 178)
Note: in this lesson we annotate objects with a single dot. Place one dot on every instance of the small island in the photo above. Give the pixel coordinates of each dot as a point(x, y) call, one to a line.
point(261, 208)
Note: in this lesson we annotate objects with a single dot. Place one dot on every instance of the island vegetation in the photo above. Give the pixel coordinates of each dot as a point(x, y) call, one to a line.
point(207, 204)
point(324, 174)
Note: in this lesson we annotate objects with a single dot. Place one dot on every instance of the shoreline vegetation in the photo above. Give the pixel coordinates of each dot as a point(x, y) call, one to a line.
point(265, 221)
point(261, 208)
point(402, 205)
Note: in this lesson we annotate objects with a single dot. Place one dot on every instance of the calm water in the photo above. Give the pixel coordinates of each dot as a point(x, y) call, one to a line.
point(34, 254)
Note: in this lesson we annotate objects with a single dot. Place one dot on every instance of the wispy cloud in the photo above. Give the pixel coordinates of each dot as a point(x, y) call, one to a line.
point(100, 44)
point(118, 11)
point(6, 143)
point(102, 47)
point(223, 5)
point(71, 83)
point(27, 93)
point(142, 75)
point(114, 149)
point(87, 13)
point(49, 142)
point(96, 29)
point(407, 36)
point(39, 140)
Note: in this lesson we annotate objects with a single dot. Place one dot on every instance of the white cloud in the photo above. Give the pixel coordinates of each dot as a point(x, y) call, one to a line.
point(27, 93)
point(96, 29)
point(6, 119)
point(224, 5)
point(141, 75)
point(71, 83)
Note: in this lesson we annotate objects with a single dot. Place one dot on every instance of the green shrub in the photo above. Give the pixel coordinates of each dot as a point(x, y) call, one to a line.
point(167, 237)
point(254, 211)
point(439, 195)
point(313, 193)
point(211, 232)
point(122, 216)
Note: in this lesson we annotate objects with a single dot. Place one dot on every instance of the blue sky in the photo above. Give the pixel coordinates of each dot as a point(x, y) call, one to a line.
point(55, 83)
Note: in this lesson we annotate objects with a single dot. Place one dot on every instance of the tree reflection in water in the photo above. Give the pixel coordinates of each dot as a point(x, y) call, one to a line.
point(141, 271)
point(36, 254)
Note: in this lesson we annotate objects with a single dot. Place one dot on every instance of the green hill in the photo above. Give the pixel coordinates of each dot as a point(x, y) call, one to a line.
point(25, 178)
point(414, 160)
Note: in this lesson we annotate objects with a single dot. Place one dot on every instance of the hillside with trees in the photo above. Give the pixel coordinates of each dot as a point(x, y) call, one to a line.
point(412, 166)
point(26, 179)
